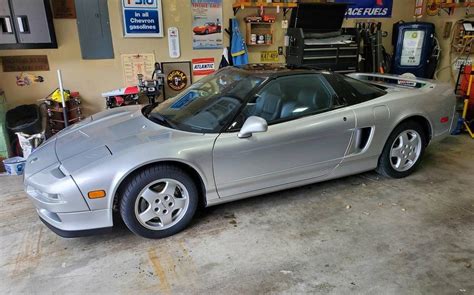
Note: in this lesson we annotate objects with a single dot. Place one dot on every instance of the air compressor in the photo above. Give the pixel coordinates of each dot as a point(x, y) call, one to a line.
point(416, 49)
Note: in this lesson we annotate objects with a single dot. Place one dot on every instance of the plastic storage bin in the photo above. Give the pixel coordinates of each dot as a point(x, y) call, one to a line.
point(25, 119)
point(14, 166)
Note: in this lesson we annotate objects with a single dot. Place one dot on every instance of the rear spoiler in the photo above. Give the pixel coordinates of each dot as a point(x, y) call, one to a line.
point(393, 80)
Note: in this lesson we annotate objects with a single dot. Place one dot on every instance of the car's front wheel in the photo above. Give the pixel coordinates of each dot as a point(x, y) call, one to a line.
point(403, 150)
point(158, 201)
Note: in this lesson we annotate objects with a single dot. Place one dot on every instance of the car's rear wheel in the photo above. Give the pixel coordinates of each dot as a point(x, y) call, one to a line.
point(403, 150)
point(158, 201)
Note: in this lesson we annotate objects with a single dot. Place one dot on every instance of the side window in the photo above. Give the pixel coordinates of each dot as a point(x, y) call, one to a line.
point(354, 91)
point(305, 94)
point(288, 98)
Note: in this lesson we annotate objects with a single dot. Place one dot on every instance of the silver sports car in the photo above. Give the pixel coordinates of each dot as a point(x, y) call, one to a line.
point(238, 133)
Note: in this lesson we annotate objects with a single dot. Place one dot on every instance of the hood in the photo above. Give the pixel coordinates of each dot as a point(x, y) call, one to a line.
point(89, 134)
point(102, 135)
point(113, 128)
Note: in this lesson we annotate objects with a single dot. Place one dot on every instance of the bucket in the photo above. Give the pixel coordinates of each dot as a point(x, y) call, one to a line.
point(14, 166)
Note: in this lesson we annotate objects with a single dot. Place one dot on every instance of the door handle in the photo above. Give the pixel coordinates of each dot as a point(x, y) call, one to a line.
point(6, 25)
point(23, 24)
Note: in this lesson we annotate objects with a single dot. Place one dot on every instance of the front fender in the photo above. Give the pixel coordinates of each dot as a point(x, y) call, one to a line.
point(109, 173)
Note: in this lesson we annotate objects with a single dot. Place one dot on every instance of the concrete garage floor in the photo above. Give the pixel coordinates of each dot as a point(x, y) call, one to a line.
point(408, 236)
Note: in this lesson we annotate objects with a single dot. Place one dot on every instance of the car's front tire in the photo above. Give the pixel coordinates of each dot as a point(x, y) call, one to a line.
point(403, 150)
point(158, 201)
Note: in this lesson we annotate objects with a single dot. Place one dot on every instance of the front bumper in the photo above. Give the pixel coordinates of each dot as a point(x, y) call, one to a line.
point(61, 205)
point(75, 233)
point(76, 221)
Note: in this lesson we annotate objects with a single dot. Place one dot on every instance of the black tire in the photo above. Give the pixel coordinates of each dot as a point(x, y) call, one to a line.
point(206, 32)
point(142, 179)
point(384, 165)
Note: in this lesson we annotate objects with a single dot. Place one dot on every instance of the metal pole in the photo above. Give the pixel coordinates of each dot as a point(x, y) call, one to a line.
point(63, 101)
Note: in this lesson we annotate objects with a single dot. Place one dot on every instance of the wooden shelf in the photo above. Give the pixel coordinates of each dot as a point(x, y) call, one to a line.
point(251, 4)
point(260, 23)
point(456, 5)
point(450, 7)
point(259, 28)
point(264, 44)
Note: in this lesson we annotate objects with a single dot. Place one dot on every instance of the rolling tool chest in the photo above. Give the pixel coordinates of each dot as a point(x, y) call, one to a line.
point(317, 40)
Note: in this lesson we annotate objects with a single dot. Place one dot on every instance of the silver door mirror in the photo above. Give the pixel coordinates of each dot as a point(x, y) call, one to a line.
point(253, 124)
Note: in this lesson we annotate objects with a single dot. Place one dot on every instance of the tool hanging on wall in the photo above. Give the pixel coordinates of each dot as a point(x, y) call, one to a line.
point(374, 56)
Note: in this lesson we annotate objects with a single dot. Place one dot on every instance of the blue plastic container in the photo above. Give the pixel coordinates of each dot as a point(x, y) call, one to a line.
point(14, 166)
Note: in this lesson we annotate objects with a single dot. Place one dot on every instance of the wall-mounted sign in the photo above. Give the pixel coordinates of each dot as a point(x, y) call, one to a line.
point(134, 64)
point(64, 8)
point(142, 18)
point(269, 56)
point(368, 8)
point(207, 24)
point(177, 77)
point(25, 63)
point(203, 66)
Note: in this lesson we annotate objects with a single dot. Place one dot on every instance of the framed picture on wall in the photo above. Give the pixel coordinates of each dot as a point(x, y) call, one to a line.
point(207, 28)
point(142, 18)
point(177, 77)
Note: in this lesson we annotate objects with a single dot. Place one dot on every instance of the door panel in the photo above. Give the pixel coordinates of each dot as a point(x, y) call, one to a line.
point(301, 149)
point(7, 30)
point(30, 21)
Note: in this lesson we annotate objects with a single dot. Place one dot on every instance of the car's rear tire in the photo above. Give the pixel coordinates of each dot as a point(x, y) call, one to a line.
point(158, 201)
point(403, 150)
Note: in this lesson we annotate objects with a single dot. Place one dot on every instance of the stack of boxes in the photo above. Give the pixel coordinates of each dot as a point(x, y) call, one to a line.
point(3, 130)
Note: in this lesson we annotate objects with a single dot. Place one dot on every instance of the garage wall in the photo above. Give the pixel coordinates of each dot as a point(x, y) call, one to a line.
point(445, 70)
point(92, 77)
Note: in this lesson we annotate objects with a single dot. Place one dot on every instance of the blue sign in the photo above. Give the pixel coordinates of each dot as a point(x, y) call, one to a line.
point(368, 8)
point(142, 18)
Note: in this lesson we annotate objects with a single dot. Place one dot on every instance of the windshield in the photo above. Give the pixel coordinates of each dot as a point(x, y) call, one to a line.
point(209, 104)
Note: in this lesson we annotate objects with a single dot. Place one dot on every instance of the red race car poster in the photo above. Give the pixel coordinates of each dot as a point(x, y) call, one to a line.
point(207, 24)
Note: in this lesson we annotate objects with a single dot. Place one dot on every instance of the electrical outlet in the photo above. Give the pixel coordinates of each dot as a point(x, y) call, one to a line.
point(280, 50)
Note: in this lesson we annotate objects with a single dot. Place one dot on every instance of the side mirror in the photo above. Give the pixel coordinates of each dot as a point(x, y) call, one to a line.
point(253, 124)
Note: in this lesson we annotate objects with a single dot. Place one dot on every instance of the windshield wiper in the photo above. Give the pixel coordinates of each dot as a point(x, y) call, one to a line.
point(160, 119)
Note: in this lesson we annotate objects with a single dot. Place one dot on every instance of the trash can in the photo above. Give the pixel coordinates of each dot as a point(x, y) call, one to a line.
point(14, 166)
point(25, 119)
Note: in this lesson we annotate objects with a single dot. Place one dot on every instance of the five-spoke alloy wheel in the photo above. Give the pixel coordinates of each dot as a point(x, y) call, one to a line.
point(403, 150)
point(162, 204)
point(158, 201)
point(406, 150)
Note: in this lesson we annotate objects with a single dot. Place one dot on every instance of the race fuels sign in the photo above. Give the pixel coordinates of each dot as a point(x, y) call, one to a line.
point(142, 18)
point(368, 8)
